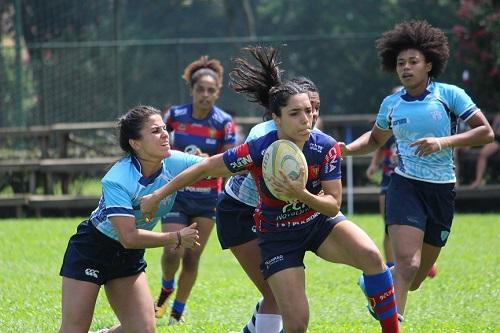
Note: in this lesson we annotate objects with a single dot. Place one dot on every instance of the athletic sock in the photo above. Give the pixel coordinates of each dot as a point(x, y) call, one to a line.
point(250, 326)
point(267, 323)
point(167, 284)
point(380, 293)
point(177, 309)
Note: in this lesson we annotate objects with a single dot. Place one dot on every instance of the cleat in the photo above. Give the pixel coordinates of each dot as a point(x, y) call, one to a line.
point(432, 272)
point(371, 310)
point(161, 303)
point(400, 318)
point(174, 321)
point(102, 330)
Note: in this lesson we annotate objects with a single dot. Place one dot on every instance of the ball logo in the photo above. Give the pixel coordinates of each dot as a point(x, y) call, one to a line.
point(91, 272)
point(191, 149)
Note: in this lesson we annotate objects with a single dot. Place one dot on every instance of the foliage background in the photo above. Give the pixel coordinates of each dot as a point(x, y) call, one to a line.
point(91, 60)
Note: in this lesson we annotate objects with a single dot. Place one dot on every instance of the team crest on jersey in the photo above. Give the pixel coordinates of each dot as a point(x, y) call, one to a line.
point(212, 132)
point(181, 127)
point(436, 115)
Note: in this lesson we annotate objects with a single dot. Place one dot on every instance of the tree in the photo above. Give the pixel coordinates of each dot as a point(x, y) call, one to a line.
point(479, 50)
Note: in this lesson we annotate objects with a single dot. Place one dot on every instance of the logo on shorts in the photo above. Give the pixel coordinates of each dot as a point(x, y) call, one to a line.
point(91, 272)
point(273, 261)
point(444, 235)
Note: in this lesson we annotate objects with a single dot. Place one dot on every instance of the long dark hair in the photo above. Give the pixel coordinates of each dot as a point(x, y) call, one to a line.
point(262, 84)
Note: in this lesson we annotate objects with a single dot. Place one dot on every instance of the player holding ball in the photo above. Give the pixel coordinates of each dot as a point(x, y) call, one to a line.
point(313, 223)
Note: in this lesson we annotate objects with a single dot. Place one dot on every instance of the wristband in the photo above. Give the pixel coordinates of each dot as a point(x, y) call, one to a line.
point(179, 240)
point(438, 143)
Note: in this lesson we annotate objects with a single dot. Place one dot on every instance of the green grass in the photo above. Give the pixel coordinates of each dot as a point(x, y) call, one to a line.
point(465, 297)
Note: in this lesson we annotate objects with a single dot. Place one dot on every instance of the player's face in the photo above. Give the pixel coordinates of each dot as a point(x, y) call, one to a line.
point(205, 92)
point(315, 103)
point(154, 144)
point(413, 70)
point(296, 119)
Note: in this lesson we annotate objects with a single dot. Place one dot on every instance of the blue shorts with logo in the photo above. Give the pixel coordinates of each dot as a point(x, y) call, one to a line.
point(423, 205)
point(235, 225)
point(287, 248)
point(94, 257)
point(185, 208)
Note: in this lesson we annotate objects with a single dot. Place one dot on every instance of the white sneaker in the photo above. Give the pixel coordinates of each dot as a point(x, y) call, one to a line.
point(173, 321)
point(102, 330)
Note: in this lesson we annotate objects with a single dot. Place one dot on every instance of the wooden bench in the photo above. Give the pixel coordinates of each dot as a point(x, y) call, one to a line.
point(18, 202)
point(62, 203)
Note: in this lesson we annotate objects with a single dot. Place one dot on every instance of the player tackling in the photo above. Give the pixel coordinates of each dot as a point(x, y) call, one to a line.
point(314, 223)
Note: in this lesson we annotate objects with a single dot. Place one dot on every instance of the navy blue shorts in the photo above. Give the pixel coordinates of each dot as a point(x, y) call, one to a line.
point(185, 208)
point(427, 206)
point(384, 184)
point(286, 249)
point(235, 225)
point(94, 257)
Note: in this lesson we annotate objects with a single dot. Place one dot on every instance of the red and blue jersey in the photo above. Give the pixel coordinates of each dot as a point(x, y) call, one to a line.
point(210, 135)
point(390, 160)
point(324, 161)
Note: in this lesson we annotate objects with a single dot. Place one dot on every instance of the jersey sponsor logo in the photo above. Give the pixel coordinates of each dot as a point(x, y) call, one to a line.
point(436, 115)
point(211, 141)
point(398, 122)
point(191, 149)
point(315, 147)
point(181, 112)
point(91, 272)
point(241, 162)
point(293, 206)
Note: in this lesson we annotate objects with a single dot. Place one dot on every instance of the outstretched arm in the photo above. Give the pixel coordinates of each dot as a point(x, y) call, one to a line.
point(210, 167)
point(366, 143)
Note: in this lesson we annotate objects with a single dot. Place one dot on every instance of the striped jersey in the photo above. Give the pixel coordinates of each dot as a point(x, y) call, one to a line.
point(210, 135)
point(323, 157)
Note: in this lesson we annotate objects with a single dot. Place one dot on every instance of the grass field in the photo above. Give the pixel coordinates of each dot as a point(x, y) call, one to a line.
point(465, 296)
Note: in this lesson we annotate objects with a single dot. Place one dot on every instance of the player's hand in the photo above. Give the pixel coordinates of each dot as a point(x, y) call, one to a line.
point(343, 148)
point(371, 171)
point(427, 146)
point(200, 153)
point(287, 187)
point(149, 206)
point(189, 236)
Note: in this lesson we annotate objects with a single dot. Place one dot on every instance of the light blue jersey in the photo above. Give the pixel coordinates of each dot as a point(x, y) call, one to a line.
point(242, 187)
point(124, 185)
point(433, 114)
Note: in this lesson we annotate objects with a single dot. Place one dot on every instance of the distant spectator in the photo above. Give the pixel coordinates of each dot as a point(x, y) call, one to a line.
point(486, 152)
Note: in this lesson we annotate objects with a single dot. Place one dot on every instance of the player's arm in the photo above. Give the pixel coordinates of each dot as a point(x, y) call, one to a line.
point(210, 167)
point(375, 162)
point(329, 202)
point(367, 142)
point(132, 238)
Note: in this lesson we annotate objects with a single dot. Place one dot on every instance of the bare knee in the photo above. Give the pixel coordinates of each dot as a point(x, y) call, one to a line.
point(407, 269)
point(371, 260)
point(191, 261)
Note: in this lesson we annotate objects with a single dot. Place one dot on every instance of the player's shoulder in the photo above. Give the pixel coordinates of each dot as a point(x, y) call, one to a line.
point(179, 110)
point(322, 138)
point(220, 115)
point(121, 171)
point(261, 129)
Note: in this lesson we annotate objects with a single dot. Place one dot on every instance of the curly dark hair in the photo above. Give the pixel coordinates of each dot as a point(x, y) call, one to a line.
point(262, 84)
point(201, 67)
point(418, 35)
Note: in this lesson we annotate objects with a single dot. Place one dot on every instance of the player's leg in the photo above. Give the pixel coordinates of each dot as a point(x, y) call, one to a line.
point(485, 152)
point(267, 318)
point(190, 264)
point(288, 287)
point(427, 262)
point(236, 231)
point(133, 308)
point(389, 256)
point(170, 262)
point(407, 244)
point(78, 303)
point(348, 244)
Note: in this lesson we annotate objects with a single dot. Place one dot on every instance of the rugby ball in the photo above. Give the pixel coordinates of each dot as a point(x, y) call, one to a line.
point(286, 156)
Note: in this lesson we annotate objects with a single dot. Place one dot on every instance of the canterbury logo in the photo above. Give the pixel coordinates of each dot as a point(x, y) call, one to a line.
point(91, 272)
